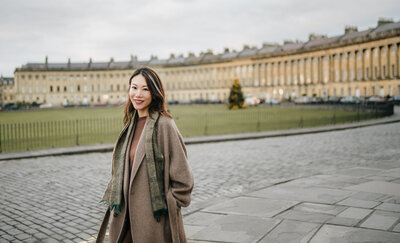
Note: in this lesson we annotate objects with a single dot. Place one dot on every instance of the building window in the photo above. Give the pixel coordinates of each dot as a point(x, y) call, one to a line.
point(373, 91)
point(117, 87)
point(344, 77)
point(365, 91)
point(84, 77)
point(51, 89)
point(367, 72)
point(43, 76)
point(71, 88)
point(36, 77)
point(85, 88)
point(22, 76)
point(58, 88)
point(58, 77)
point(376, 72)
point(78, 88)
point(111, 87)
point(29, 77)
point(71, 77)
point(351, 74)
point(375, 52)
point(65, 88)
point(65, 77)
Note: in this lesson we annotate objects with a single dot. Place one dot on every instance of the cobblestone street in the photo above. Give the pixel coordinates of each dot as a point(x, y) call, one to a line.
point(57, 198)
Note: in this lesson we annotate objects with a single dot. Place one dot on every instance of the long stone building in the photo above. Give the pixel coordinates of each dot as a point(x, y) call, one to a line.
point(357, 63)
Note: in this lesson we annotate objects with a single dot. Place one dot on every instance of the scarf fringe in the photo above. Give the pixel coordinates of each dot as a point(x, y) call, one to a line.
point(117, 207)
point(157, 214)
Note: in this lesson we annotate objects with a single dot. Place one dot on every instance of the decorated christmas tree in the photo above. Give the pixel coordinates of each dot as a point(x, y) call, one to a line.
point(236, 99)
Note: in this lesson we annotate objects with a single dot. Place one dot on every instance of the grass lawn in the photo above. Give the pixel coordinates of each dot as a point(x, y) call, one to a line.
point(38, 129)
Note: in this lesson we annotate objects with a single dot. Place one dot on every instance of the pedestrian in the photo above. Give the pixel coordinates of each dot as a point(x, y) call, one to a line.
point(151, 178)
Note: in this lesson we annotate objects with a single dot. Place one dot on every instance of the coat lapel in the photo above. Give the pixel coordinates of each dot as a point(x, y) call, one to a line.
point(139, 155)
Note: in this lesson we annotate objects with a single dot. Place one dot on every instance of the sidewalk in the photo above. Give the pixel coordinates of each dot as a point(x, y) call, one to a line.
point(352, 205)
point(206, 139)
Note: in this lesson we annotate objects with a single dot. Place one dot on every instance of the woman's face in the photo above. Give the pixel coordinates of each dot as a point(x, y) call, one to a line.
point(140, 95)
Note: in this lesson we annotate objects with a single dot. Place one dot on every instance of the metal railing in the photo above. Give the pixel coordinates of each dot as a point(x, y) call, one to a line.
point(26, 136)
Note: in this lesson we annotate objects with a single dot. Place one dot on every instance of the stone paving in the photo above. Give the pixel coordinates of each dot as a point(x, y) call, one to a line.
point(340, 186)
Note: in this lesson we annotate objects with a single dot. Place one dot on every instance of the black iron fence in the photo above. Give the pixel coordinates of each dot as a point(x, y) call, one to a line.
point(51, 134)
point(27, 136)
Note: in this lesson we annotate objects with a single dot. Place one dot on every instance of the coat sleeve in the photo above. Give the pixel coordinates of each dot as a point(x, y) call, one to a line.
point(180, 174)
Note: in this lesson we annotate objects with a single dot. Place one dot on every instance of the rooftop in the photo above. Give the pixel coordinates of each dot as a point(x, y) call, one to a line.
point(384, 28)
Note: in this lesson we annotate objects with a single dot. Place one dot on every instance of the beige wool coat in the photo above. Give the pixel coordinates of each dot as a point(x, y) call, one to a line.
point(178, 187)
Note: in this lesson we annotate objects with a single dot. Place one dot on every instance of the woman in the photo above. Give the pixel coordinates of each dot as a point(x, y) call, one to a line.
point(151, 178)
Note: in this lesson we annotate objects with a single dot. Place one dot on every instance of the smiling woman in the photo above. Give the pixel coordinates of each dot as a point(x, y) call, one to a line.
point(140, 95)
point(151, 178)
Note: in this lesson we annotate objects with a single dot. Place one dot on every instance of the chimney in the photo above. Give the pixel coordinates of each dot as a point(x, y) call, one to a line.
point(172, 56)
point(350, 29)
point(246, 47)
point(266, 44)
point(286, 42)
point(191, 54)
point(90, 62)
point(133, 58)
point(69, 62)
point(313, 36)
point(46, 62)
point(383, 21)
point(226, 50)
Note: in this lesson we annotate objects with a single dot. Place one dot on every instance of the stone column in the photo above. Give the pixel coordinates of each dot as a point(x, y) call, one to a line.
point(363, 64)
point(389, 66)
point(396, 52)
point(379, 63)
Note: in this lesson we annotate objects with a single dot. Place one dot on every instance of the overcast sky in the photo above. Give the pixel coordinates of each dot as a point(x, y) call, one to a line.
point(83, 29)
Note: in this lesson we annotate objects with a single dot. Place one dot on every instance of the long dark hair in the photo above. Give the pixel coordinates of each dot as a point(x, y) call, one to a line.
point(156, 88)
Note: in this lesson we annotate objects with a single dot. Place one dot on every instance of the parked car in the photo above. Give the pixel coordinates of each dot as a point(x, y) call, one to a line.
point(173, 102)
point(375, 99)
point(45, 106)
point(251, 101)
point(396, 99)
point(333, 99)
point(349, 100)
point(273, 102)
point(302, 100)
point(316, 100)
point(11, 106)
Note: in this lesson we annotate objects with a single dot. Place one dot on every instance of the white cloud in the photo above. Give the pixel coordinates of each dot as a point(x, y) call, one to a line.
point(30, 30)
